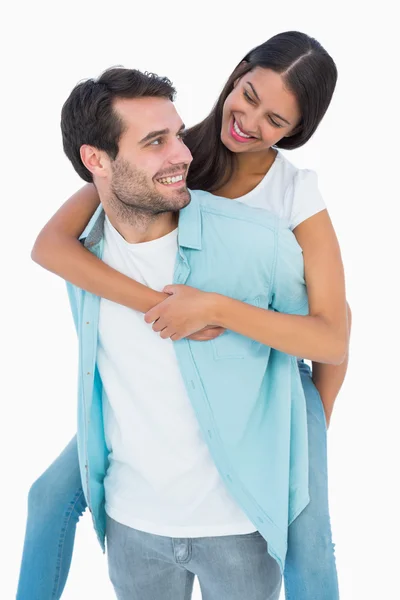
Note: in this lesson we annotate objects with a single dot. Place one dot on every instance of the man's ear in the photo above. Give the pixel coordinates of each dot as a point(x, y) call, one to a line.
point(94, 160)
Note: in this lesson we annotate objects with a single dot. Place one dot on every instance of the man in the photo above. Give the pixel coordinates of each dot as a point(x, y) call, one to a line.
point(187, 450)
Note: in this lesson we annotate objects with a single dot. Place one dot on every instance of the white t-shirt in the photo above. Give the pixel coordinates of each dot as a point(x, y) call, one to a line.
point(287, 191)
point(161, 478)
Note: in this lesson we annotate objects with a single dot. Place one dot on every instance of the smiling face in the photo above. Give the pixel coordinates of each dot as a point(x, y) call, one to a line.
point(149, 172)
point(258, 112)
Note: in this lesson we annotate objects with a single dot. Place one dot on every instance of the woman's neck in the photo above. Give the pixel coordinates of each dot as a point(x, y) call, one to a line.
point(249, 170)
point(254, 163)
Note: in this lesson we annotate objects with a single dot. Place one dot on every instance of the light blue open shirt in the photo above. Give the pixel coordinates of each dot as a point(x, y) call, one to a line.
point(247, 397)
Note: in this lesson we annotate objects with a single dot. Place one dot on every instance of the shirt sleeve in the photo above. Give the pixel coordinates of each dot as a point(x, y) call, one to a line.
point(74, 303)
point(306, 197)
point(288, 291)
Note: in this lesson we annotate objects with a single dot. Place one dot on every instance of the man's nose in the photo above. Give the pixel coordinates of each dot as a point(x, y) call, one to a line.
point(180, 153)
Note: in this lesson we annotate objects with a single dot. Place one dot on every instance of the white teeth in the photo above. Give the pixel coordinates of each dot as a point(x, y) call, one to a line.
point(237, 130)
point(169, 180)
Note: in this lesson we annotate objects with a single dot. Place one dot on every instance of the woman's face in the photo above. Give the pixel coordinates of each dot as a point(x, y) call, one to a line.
point(258, 112)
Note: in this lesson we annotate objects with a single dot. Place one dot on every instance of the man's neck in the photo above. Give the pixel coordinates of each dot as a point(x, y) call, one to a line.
point(145, 228)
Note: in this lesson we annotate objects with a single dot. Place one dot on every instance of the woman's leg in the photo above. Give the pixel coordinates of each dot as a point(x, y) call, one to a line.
point(55, 503)
point(310, 569)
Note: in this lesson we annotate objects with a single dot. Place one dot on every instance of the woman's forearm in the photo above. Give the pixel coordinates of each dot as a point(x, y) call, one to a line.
point(328, 379)
point(310, 337)
point(58, 250)
point(66, 257)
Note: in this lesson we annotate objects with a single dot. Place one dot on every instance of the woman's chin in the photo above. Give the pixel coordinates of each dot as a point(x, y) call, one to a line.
point(228, 142)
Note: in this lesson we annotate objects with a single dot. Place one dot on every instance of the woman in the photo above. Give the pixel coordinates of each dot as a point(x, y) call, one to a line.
point(275, 98)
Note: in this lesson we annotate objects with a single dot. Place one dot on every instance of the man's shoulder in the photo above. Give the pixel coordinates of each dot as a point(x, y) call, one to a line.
point(226, 209)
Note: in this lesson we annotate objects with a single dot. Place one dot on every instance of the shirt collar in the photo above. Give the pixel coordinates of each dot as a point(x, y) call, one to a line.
point(189, 227)
point(94, 230)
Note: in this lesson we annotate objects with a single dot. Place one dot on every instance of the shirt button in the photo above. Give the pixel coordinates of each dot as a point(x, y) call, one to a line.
point(229, 478)
point(260, 519)
point(209, 433)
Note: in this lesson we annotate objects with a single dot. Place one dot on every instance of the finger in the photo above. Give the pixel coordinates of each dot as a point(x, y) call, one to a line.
point(159, 325)
point(169, 289)
point(207, 334)
point(211, 332)
point(176, 337)
point(215, 335)
point(200, 337)
point(214, 330)
point(166, 333)
point(152, 315)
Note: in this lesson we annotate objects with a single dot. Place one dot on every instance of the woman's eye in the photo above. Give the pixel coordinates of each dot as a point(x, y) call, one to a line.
point(249, 98)
point(274, 123)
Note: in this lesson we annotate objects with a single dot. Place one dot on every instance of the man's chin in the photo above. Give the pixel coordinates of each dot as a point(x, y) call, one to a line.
point(185, 198)
point(179, 200)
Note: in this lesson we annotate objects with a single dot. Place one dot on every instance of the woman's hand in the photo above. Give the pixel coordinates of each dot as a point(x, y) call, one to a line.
point(187, 311)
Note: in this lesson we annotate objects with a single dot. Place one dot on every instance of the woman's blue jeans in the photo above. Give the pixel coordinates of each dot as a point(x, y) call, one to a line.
point(56, 502)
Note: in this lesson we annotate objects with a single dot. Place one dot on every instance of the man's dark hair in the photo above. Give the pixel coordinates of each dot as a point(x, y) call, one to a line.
point(88, 116)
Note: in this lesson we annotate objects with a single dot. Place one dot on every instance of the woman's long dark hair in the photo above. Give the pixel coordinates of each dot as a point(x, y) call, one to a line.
point(309, 73)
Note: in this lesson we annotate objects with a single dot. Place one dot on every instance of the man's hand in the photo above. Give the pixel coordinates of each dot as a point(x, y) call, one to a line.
point(207, 334)
point(186, 312)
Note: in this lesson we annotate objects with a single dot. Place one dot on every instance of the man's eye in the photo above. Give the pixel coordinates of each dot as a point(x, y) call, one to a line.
point(156, 142)
point(182, 135)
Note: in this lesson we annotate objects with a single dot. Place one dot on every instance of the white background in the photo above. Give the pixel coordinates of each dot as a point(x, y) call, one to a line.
point(46, 48)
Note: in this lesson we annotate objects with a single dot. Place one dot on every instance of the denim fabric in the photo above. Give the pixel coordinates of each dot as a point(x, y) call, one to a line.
point(144, 566)
point(56, 502)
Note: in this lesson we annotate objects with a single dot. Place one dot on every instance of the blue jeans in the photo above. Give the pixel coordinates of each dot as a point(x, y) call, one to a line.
point(310, 567)
point(56, 502)
point(144, 566)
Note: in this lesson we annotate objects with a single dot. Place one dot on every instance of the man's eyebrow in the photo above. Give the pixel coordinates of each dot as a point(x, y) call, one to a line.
point(274, 114)
point(159, 133)
point(154, 134)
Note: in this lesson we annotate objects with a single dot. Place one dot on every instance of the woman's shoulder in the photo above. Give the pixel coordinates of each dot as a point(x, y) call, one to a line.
point(292, 175)
point(302, 198)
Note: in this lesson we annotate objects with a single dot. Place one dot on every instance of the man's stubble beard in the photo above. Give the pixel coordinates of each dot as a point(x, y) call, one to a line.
point(134, 202)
